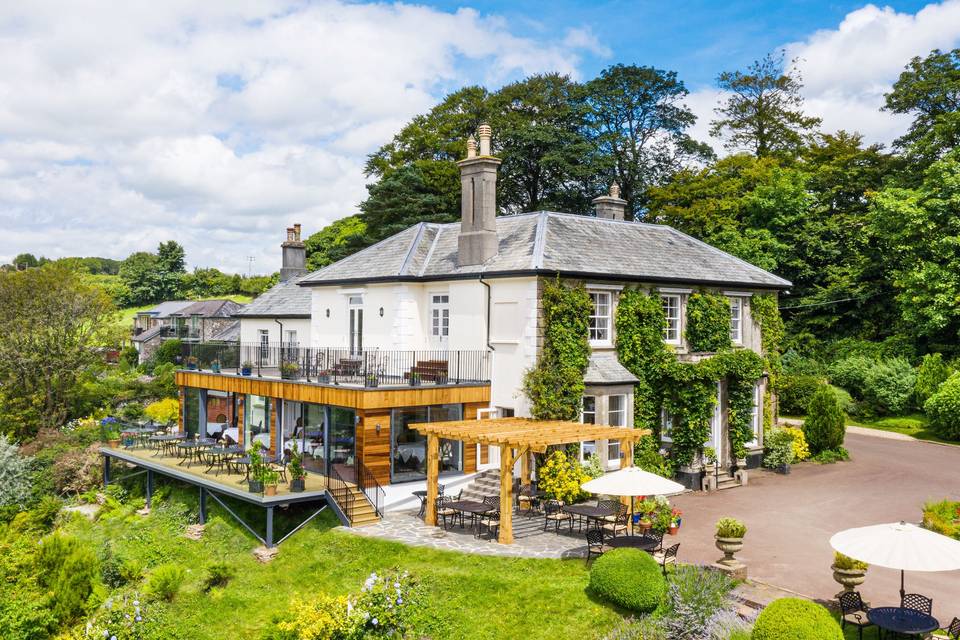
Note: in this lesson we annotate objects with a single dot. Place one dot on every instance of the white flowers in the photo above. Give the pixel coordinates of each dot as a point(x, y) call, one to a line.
point(375, 622)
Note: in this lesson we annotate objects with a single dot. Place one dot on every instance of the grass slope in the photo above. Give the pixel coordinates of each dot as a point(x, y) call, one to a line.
point(466, 596)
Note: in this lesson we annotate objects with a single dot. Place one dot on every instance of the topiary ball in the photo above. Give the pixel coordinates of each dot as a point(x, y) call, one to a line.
point(795, 619)
point(628, 578)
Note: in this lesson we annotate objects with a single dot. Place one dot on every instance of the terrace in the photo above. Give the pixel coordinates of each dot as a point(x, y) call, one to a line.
point(364, 368)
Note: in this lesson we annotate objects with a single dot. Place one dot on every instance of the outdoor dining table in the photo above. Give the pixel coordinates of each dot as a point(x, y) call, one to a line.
point(139, 435)
point(644, 543)
point(422, 494)
point(189, 450)
point(165, 444)
point(903, 621)
point(217, 456)
point(589, 511)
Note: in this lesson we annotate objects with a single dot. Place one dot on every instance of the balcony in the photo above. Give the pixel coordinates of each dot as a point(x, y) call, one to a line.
point(360, 369)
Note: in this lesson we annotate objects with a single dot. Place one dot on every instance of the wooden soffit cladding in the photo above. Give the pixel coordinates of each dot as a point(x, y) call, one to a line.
point(518, 433)
point(340, 396)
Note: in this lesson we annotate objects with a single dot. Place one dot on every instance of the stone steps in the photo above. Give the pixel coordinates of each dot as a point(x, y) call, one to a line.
point(486, 483)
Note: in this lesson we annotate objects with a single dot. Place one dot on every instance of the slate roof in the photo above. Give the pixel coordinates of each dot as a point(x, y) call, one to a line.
point(230, 333)
point(550, 243)
point(283, 300)
point(165, 309)
point(210, 309)
point(606, 369)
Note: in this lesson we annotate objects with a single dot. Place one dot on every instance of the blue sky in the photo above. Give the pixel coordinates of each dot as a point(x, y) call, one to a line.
point(221, 123)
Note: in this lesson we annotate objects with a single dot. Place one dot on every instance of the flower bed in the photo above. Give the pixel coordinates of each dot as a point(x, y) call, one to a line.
point(943, 517)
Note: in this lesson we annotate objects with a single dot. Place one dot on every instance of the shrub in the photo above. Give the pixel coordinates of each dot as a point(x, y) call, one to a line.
point(795, 364)
point(167, 353)
point(825, 424)
point(45, 512)
point(795, 392)
point(731, 528)
point(560, 477)
point(778, 448)
point(801, 450)
point(932, 373)
point(628, 578)
point(851, 373)
point(647, 456)
point(15, 475)
point(694, 596)
point(218, 575)
point(592, 467)
point(165, 581)
point(943, 517)
point(943, 409)
point(708, 322)
point(25, 619)
point(130, 357)
point(888, 386)
point(68, 571)
point(77, 471)
point(726, 624)
point(847, 563)
point(847, 404)
point(829, 456)
point(795, 619)
point(125, 618)
point(164, 411)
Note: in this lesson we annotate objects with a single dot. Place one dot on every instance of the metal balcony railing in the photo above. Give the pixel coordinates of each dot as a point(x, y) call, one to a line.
point(367, 368)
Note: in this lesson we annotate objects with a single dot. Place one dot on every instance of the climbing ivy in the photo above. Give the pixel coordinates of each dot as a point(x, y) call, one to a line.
point(765, 310)
point(640, 324)
point(708, 322)
point(555, 385)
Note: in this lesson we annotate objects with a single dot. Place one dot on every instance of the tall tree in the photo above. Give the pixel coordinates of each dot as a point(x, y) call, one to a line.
point(335, 241)
point(929, 90)
point(171, 257)
point(424, 191)
point(50, 321)
point(763, 113)
point(638, 121)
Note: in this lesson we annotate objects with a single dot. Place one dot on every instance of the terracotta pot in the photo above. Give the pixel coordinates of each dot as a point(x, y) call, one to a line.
point(270, 490)
point(849, 578)
point(729, 546)
point(114, 444)
point(673, 531)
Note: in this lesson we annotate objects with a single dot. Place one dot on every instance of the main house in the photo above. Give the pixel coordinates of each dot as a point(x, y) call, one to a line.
point(440, 322)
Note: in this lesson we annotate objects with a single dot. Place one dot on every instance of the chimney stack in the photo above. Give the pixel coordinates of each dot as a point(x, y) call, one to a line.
point(611, 207)
point(478, 204)
point(294, 255)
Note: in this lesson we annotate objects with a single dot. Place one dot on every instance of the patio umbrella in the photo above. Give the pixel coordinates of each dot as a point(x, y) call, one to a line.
point(631, 482)
point(899, 545)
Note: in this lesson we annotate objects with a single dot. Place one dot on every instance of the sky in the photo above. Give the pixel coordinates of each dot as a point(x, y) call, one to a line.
point(220, 123)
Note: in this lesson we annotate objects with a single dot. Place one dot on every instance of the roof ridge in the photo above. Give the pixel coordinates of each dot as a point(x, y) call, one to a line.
point(727, 254)
point(540, 240)
point(413, 247)
point(309, 277)
point(433, 245)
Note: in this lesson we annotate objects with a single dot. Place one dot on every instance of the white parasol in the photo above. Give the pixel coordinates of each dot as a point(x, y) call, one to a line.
point(632, 482)
point(899, 545)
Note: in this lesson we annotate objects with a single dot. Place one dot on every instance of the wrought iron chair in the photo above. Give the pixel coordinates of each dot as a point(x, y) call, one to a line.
point(445, 512)
point(492, 521)
point(553, 512)
point(619, 522)
point(667, 557)
point(280, 466)
point(595, 545)
point(526, 500)
point(853, 612)
point(953, 631)
point(917, 602)
point(658, 537)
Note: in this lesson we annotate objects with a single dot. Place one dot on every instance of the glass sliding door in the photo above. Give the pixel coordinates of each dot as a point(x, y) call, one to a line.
point(256, 421)
point(408, 448)
point(191, 412)
point(304, 423)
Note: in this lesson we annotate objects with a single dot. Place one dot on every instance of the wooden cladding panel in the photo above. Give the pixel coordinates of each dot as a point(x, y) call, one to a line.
point(374, 448)
point(334, 395)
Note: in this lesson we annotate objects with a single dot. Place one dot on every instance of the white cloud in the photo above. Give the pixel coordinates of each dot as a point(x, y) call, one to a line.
point(220, 123)
point(847, 70)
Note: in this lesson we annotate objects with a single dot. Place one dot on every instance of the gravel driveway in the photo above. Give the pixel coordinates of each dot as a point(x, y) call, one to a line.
point(790, 518)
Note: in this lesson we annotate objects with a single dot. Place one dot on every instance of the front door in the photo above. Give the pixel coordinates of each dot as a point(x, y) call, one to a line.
point(356, 325)
point(716, 430)
point(439, 320)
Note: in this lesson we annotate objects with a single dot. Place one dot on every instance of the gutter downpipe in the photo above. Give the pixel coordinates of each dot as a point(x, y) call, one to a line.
point(489, 346)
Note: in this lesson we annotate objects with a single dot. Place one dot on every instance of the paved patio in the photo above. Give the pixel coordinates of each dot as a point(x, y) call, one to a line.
point(790, 518)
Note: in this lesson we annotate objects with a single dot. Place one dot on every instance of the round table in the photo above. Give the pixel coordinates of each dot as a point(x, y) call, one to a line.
point(422, 494)
point(634, 542)
point(905, 621)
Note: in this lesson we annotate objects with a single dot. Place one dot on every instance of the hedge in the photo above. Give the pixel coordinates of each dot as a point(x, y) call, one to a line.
point(795, 393)
point(628, 578)
point(795, 619)
point(943, 409)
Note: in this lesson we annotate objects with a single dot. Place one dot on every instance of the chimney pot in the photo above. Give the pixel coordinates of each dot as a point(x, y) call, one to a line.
point(294, 255)
point(611, 207)
point(614, 191)
point(485, 132)
point(296, 232)
point(471, 147)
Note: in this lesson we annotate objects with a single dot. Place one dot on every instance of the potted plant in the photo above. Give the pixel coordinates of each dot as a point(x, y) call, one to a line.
point(270, 480)
point(215, 366)
point(710, 458)
point(289, 370)
point(643, 515)
point(441, 378)
point(373, 380)
point(729, 537)
point(257, 468)
point(192, 363)
point(848, 573)
point(112, 436)
point(246, 368)
point(675, 519)
point(414, 379)
point(324, 376)
point(297, 472)
point(779, 450)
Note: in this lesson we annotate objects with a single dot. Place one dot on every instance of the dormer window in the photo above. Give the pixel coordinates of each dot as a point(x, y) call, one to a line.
point(600, 318)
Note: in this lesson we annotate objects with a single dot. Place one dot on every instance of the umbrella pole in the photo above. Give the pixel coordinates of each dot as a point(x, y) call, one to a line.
point(903, 591)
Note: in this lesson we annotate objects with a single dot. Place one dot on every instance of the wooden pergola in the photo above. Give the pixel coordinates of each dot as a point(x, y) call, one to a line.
point(517, 438)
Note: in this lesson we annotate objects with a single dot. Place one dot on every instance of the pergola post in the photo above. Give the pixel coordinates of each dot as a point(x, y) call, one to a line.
point(626, 453)
point(506, 495)
point(525, 469)
point(433, 477)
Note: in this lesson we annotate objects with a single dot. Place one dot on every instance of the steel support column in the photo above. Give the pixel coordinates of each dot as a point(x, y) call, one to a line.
point(149, 487)
point(203, 505)
point(106, 471)
point(269, 540)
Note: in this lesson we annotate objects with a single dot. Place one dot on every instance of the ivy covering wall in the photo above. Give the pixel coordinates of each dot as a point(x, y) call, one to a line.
point(555, 385)
point(708, 322)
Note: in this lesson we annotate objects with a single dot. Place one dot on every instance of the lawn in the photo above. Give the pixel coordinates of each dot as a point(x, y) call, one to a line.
point(914, 425)
point(465, 596)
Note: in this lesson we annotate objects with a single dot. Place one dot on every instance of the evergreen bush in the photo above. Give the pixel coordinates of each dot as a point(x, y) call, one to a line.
point(164, 581)
point(825, 425)
point(851, 373)
point(628, 578)
point(795, 392)
point(778, 448)
point(888, 387)
point(795, 619)
point(943, 409)
point(932, 373)
point(708, 322)
point(15, 475)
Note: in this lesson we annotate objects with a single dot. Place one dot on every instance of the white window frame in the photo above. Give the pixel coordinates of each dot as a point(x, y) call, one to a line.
point(668, 336)
point(666, 425)
point(440, 315)
point(736, 319)
point(756, 415)
point(601, 336)
point(264, 335)
point(613, 446)
point(584, 444)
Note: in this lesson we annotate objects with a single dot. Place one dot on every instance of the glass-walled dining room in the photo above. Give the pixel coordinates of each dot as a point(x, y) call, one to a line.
point(408, 448)
point(326, 435)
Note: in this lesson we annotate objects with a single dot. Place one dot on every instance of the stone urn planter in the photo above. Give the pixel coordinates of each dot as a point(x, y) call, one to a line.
point(849, 579)
point(729, 547)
